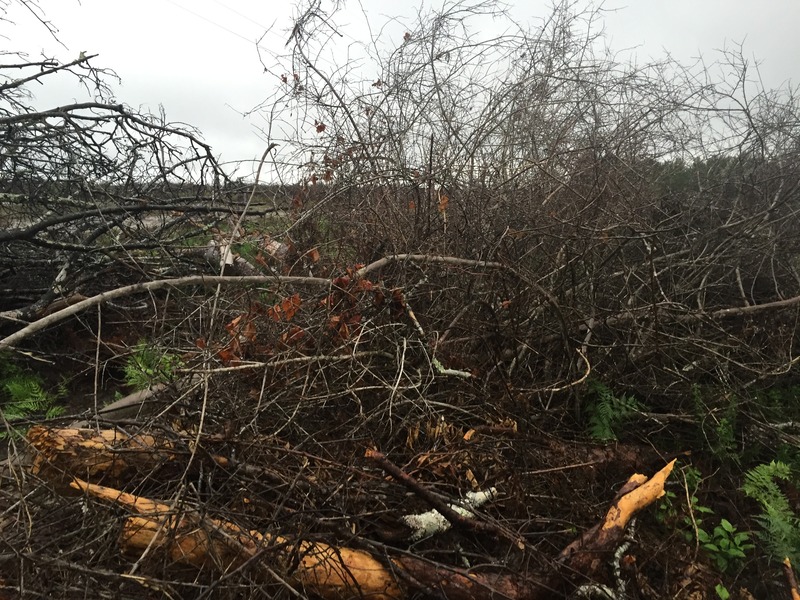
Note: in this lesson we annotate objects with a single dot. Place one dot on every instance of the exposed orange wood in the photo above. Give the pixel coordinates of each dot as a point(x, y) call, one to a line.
point(188, 538)
point(791, 579)
point(104, 455)
point(589, 552)
point(647, 492)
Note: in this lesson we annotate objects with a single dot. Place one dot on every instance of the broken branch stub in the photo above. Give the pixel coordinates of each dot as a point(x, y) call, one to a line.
point(589, 552)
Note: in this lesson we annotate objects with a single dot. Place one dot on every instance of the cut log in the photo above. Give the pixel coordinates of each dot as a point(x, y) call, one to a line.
point(187, 537)
point(205, 542)
point(107, 455)
point(337, 572)
point(328, 571)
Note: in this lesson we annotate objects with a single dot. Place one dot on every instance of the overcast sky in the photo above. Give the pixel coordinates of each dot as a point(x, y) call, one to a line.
point(198, 58)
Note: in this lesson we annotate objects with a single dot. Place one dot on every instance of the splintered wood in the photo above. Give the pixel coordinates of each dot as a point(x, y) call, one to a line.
point(204, 542)
point(187, 536)
point(107, 455)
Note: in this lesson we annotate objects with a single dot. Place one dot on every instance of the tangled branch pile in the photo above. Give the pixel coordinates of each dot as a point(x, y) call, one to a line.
point(496, 253)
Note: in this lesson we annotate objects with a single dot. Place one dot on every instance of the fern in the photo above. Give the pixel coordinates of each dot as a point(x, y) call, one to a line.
point(607, 412)
point(22, 395)
point(717, 410)
point(781, 526)
point(149, 365)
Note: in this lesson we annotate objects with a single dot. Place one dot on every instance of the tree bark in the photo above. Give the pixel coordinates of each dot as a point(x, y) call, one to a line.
point(332, 572)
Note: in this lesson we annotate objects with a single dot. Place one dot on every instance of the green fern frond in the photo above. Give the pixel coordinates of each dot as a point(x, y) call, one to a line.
point(62, 391)
point(780, 525)
point(22, 395)
point(54, 411)
point(759, 484)
point(607, 411)
point(148, 365)
point(781, 534)
point(25, 396)
point(11, 413)
point(24, 389)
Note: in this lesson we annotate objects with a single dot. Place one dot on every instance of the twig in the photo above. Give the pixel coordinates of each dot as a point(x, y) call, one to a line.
point(103, 297)
point(437, 365)
point(590, 463)
point(432, 522)
point(574, 383)
point(428, 258)
point(246, 366)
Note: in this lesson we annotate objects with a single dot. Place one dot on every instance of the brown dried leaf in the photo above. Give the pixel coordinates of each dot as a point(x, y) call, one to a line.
point(290, 306)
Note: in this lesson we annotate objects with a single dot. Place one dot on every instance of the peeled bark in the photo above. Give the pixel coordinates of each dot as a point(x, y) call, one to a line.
point(107, 455)
point(187, 537)
point(791, 579)
point(591, 550)
point(204, 542)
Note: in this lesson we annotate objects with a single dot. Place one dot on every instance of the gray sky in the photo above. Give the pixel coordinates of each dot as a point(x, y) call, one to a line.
point(198, 58)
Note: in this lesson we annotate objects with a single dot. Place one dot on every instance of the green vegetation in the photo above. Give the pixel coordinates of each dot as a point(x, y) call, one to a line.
point(725, 545)
point(780, 524)
point(23, 395)
point(671, 513)
point(608, 412)
point(717, 412)
point(150, 365)
point(248, 251)
point(560, 228)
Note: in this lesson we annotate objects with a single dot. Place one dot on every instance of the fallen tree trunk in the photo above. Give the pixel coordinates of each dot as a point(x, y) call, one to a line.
point(339, 572)
point(205, 542)
point(190, 538)
point(106, 455)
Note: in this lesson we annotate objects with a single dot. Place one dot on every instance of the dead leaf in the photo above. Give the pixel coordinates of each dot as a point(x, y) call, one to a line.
point(233, 325)
point(259, 259)
point(274, 313)
point(294, 336)
point(290, 306)
point(248, 332)
point(473, 482)
point(297, 201)
point(227, 356)
point(412, 436)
